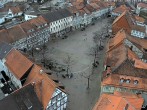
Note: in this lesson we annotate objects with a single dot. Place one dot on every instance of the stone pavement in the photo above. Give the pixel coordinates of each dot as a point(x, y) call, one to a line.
point(77, 46)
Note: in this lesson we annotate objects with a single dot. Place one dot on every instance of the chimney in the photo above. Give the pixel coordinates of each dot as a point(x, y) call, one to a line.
point(126, 107)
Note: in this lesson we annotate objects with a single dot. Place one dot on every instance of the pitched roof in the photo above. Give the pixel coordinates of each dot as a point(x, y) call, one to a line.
point(17, 63)
point(44, 86)
point(39, 21)
point(128, 67)
point(116, 56)
point(5, 37)
point(114, 80)
point(22, 99)
point(95, 6)
point(16, 33)
point(90, 8)
point(138, 41)
point(143, 5)
point(56, 15)
point(73, 9)
point(121, 9)
point(140, 64)
point(119, 17)
point(140, 19)
point(123, 60)
point(118, 102)
point(26, 26)
point(15, 9)
point(4, 49)
point(130, 20)
point(118, 39)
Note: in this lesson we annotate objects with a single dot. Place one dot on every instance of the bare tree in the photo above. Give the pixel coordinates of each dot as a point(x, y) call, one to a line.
point(88, 75)
point(47, 58)
point(68, 61)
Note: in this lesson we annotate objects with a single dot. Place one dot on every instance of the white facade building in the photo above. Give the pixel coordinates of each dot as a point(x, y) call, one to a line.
point(60, 22)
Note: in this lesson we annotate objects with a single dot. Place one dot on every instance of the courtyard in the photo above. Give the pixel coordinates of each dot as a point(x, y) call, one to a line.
point(74, 52)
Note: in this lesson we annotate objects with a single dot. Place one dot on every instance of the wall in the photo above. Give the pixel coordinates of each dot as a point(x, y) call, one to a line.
point(2, 68)
point(111, 89)
point(138, 52)
point(61, 24)
point(28, 17)
point(14, 80)
point(2, 20)
point(58, 101)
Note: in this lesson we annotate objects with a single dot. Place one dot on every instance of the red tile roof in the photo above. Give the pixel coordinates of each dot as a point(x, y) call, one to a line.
point(17, 63)
point(118, 102)
point(44, 86)
point(121, 9)
point(114, 80)
point(16, 33)
point(143, 5)
point(139, 19)
point(5, 37)
point(15, 9)
point(119, 55)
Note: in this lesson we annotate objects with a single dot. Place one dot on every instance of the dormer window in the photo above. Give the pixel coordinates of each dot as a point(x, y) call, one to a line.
point(122, 80)
point(108, 74)
point(39, 27)
point(128, 81)
point(145, 50)
point(31, 30)
point(136, 82)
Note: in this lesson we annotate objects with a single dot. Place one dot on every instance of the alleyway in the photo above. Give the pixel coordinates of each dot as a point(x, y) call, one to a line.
point(77, 46)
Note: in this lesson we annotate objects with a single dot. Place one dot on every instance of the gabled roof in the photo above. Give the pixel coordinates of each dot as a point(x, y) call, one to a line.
point(44, 86)
point(4, 49)
point(73, 9)
point(56, 15)
point(121, 9)
point(143, 5)
point(119, 17)
point(39, 21)
point(16, 33)
point(5, 37)
point(17, 63)
point(26, 26)
point(139, 19)
point(95, 6)
point(129, 19)
point(90, 8)
point(142, 43)
point(86, 10)
point(128, 67)
point(114, 80)
point(123, 60)
point(22, 99)
point(118, 101)
point(116, 56)
point(118, 39)
point(15, 9)
point(101, 4)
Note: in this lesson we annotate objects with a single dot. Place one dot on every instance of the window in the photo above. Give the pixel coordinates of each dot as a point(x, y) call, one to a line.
point(122, 80)
point(128, 81)
point(145, 49)
point(136, 82)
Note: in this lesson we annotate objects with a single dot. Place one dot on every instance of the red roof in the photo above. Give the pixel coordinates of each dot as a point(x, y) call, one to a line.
point(118, 101)
point(143, 5)
point(17, 63)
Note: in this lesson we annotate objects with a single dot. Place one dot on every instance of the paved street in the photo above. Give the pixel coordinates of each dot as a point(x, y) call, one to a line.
point(77, 46)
